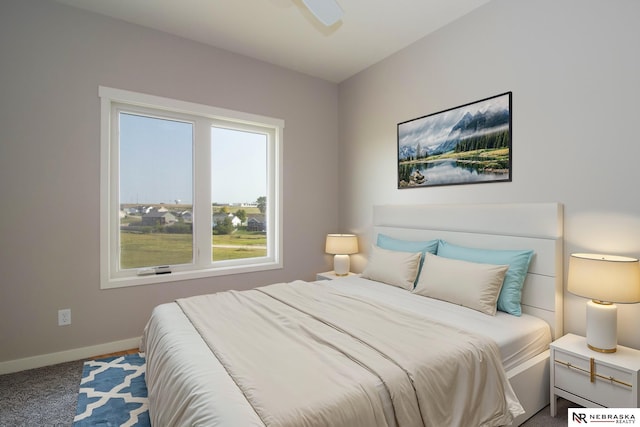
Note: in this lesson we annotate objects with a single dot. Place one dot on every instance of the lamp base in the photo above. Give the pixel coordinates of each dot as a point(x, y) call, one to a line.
point(602, 326)
point(341, 265)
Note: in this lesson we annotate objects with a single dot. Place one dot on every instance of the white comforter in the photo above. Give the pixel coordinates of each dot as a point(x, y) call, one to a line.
point(304, 354)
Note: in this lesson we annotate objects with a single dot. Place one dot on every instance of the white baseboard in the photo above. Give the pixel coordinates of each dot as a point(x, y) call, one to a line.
point(17, 365)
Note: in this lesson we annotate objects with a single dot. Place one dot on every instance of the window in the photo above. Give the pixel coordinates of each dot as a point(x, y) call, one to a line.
point(187, 190)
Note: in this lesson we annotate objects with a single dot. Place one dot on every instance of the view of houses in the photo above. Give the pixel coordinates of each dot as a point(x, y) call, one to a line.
point(158, 217)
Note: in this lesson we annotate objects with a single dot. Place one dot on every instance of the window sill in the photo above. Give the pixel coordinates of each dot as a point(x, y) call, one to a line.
point(175, 276)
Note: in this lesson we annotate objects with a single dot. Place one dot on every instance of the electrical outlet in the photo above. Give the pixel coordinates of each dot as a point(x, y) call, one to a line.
point(64, 317)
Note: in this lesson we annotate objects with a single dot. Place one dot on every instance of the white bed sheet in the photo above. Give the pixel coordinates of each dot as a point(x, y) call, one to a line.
point(177, 348)
point(519, 338)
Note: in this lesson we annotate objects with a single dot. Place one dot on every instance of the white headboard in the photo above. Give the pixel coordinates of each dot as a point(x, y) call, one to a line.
point(536, 226)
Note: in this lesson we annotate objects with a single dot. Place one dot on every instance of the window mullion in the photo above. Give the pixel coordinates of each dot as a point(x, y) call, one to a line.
point(202, 196)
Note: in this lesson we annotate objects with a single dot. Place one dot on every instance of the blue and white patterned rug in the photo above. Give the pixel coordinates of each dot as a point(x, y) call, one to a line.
point(113, 392)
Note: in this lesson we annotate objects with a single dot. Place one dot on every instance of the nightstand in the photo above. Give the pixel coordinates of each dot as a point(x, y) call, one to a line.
point(592, 379)
point(330, 275)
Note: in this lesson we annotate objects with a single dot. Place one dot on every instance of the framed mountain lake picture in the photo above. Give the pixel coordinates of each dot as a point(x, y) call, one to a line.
point(469, 144)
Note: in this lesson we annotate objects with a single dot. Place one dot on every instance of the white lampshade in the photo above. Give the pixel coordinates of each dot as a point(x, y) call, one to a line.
point(341, 246)
point(606, 279)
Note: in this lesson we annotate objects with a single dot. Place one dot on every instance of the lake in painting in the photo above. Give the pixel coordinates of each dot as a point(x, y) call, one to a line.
point(447, 172)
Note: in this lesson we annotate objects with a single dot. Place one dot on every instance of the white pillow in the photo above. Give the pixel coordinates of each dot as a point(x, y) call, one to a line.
point(465, 283)
point(392, 267)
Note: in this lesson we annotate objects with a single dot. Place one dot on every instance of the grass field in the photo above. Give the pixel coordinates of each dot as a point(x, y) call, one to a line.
point(145, 250)
point(239, 245)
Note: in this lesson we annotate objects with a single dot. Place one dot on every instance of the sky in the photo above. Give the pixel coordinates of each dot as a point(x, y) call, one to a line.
point(239, 166)
point(156, 162)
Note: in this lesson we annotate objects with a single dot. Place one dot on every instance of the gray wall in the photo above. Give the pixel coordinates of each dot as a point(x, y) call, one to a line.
point(573, 67)
point(52, 60)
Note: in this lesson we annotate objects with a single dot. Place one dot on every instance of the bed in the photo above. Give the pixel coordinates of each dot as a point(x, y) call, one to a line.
point(365, 351)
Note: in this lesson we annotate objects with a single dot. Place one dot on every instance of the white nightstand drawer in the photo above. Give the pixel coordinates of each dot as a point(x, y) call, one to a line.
point(593, 379)
point(611, 387)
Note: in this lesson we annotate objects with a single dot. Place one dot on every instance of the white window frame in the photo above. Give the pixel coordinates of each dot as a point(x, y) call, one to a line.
point(203, 116)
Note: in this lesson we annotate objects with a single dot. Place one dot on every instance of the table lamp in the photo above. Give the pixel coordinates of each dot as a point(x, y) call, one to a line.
point(606, 279)
point(341, 246)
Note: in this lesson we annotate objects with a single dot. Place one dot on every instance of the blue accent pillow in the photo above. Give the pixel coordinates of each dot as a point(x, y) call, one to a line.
point(518, 261)
point(392, 244)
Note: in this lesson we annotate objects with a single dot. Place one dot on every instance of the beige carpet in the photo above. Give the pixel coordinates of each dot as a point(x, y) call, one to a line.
point(544, 419)
point(40, 397)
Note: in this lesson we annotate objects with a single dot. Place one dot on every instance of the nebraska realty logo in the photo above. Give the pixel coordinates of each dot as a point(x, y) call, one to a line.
point(602, 416)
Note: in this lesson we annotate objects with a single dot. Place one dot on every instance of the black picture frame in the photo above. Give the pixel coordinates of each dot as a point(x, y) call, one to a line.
point(468, 144)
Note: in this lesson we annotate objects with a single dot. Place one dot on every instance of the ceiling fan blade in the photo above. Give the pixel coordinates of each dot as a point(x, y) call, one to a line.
point(327, 11)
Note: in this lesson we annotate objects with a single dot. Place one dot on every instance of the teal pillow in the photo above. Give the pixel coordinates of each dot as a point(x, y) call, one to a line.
point(518, 261)
point(392, 244)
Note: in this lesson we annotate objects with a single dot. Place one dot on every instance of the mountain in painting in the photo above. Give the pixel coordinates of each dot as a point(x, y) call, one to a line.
point(472, 124)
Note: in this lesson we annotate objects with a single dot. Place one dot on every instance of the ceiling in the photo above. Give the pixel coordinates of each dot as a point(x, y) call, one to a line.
point(285, 33)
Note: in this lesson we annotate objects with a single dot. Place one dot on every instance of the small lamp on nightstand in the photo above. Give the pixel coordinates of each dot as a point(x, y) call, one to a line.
point(606, 279)
point(341, 246)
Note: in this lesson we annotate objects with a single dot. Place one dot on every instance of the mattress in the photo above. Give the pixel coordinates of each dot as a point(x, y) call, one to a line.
point(518, 338)
point(181, 381)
